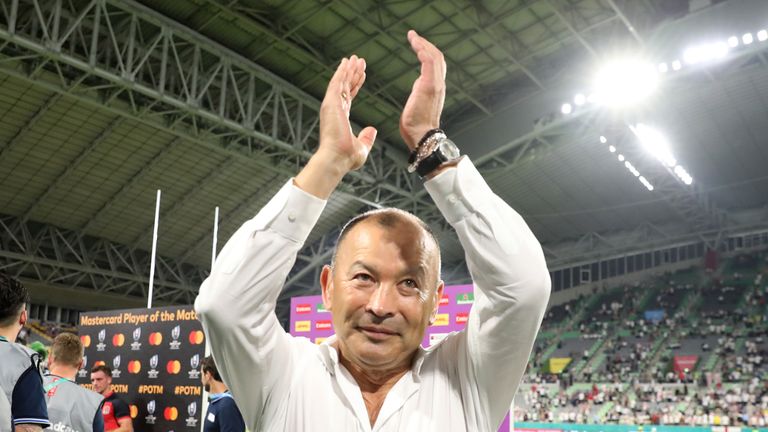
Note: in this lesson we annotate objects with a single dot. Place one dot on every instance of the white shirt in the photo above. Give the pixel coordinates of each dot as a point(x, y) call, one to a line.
point(464, 383)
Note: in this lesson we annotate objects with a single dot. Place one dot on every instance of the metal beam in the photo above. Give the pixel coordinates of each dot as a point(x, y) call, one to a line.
point(68, 258)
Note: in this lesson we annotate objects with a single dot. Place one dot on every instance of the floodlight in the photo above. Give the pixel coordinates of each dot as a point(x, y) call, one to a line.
point(654, 143)
point(612, 149)
point(706, 52)
point(645, 183)
point(621, 158)
point(624, 82)
point(733, 41)
point(762, 35)
point(603, 139)
point(676, 65)
point(566, 108)
point(579, 99)
point(663, 68)
point(747, 38)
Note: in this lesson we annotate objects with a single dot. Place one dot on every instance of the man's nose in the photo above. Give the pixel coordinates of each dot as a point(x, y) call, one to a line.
point(383, 301)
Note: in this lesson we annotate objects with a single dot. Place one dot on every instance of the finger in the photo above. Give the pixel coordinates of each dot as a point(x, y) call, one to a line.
point(358, 78)
point(335, 84)
point(367, 136)
point(431, 58)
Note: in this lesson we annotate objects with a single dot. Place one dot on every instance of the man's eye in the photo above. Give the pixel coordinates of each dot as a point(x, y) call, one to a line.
point(363, 277)
point(410, 283)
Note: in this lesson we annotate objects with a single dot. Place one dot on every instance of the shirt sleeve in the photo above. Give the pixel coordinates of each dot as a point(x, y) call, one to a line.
point(512, 289)
point(121, 409)
point(237, 301)
point(98, 419)
point(229, 417)
point(28, 404)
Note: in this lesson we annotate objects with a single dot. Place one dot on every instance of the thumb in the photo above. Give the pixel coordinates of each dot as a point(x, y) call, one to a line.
point(367, 136)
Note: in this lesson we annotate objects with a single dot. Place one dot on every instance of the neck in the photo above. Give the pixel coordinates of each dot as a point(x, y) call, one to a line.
point(374, 380)
point(218, 387)
point(9, 333)
point(68, 372)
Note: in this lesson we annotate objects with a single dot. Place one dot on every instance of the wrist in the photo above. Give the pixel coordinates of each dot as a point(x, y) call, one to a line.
point(321, 175)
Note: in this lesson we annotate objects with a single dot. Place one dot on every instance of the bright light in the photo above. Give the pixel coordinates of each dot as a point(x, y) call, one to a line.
point(603, 139)
point(654, 143)
point(625, 82)
point(683, 175)
point(593, 98)
point(762, 35)
point(747, 38)
point(645, 183)
point(621, 158)
point(733, 41)
point(579, 99)
point(707, 52)
point(676, 65)
point(663, 68)
point(566, 108)
point(612, 149)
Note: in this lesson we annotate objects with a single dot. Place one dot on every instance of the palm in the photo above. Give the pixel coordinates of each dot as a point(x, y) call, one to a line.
point(336, 136)
point(424, 105)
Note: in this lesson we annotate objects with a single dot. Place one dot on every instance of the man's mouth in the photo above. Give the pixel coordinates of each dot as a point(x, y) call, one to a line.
point(376, 332)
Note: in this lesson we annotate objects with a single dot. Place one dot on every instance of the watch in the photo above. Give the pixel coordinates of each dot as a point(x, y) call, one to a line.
point(433, 152)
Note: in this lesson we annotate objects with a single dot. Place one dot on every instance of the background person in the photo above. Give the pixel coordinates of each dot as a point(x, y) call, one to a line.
point(22, 401)
point(70, 406)
point(117, 414)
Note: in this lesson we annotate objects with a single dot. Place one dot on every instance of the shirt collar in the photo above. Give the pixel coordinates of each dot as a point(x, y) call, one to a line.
point(330, 358)
point(215, 397)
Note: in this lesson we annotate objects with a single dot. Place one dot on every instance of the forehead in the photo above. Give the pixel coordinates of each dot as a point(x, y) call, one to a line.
point(411, 241)
point(98, 375)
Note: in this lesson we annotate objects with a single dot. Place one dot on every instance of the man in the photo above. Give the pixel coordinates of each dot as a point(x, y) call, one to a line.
point(117, 414)
point(223, 414)
point(382, 287)
point(22, 401)
point(70, 406)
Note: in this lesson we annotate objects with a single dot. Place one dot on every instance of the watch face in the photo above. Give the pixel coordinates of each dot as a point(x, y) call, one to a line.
point(449, 149)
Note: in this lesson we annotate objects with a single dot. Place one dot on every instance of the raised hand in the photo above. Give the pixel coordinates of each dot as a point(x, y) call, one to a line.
point(337, 140)
point(422, 111)
point(340, 151)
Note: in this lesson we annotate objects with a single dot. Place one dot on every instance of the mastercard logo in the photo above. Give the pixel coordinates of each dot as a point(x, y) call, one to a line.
point(99, 363)
point(155, 338)
point(134, 366)
point(171, 413)
point(134, 411)
point(86, 340)
point(196, 337)
point(118, 340)
point(173, 367)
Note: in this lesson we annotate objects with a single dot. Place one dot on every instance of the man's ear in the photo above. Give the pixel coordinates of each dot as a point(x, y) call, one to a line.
point(326, 284)
point(23, 316)
point(436, 300)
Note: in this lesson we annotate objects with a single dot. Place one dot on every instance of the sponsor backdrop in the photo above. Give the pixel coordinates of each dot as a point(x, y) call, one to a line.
point(310, 319)
point(155, 356)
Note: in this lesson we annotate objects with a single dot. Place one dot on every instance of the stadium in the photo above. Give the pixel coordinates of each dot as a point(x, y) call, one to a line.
point(137, 136)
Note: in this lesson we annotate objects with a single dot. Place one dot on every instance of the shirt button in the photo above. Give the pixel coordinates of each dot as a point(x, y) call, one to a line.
point(291, 217)
point(452, 199)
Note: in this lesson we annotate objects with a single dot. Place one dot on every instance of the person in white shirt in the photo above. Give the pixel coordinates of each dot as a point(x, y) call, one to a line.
point(383, 289)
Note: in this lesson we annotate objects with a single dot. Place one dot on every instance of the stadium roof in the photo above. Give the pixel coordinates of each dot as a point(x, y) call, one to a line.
point(215, 103)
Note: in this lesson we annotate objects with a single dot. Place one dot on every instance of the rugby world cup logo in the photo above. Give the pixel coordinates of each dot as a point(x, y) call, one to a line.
point(152, 372)
point(192, 410)
point(83, 371)
point(116, 367)
point(175, 333)
point(136, 345)
point(102, 335)
point(194, 363)
point(150, 418)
